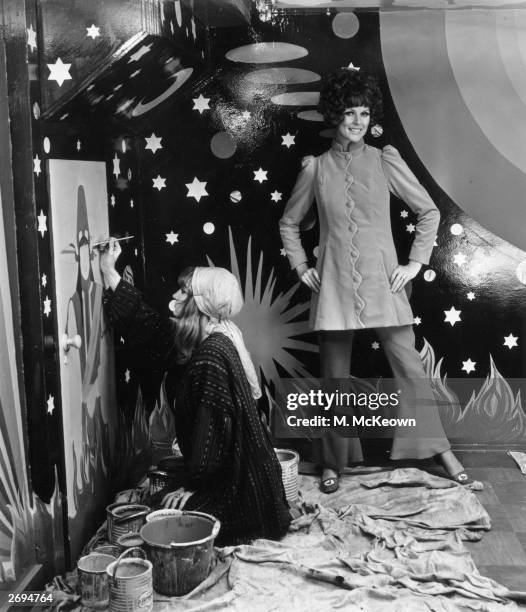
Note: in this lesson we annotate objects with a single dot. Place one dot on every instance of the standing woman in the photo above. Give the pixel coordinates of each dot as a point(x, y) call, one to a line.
point(358, 282)
point(230, 469)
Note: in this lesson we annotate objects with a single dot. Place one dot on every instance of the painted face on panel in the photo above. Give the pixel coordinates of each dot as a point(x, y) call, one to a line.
point(354, 124)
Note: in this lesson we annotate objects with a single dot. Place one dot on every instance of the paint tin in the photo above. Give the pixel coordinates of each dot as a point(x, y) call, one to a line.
point(108, 549)
point(93, 580)
point(181, 549)
point(130, 540)
point(289, 461)
point(130, 583)
point(124, 518)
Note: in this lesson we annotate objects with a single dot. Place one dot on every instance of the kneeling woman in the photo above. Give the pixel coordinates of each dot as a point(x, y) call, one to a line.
point(229, 461)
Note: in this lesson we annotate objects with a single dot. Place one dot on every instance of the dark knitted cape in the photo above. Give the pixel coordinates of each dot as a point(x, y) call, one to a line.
point(228, 454)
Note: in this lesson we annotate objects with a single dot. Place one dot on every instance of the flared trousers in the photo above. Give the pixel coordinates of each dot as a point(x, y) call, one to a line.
point(417, 400)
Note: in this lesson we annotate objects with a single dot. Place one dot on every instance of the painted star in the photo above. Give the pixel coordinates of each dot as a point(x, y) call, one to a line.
point(452, 316)
point(112, 200)
point(37, 167)
point(31, 37)
point(276, 196)
point(196, 189)
point(59, 72)
point(159, 182)
point(283, 252)
point(138, 54)
point(47, 306)
point(470, 296)
point(260, 175)
point(44, 280)
point(404, 214)
point(417, 320)
point(410, 228)
point(201, 104)
point(116, 166)
point(153, 143)
point(375, 346)
point(460, 259)
point(50, 404)
point(468, 366)
point(79, 145)
point(172, 238)
point(288, 140)
point(93, 31)
point(246, 115)
point(127, 375)
point(42, 223)
point(511, 341)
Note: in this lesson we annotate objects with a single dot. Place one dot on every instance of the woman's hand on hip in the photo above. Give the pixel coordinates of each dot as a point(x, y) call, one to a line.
point(311, 278)
point(307, 160)
point(403, 274)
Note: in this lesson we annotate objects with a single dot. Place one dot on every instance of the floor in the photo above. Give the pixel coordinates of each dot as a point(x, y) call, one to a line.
point(501, 554)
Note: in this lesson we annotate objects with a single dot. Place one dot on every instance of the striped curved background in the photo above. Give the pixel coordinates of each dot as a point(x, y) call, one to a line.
point(458, 83)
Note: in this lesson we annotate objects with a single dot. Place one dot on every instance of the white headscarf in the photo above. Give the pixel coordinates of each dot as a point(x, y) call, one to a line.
point(218, 295)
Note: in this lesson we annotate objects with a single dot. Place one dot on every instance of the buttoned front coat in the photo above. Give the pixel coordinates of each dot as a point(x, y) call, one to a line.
point(356, 254)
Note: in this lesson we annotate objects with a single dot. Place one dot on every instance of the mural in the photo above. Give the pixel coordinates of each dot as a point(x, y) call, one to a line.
point(202, 129)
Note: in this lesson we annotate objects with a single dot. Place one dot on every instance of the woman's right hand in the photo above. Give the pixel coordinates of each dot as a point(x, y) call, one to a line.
point(108, 255)
point(311, 278)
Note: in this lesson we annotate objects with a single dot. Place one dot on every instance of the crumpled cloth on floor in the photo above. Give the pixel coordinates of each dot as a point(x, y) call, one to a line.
point(386, 541)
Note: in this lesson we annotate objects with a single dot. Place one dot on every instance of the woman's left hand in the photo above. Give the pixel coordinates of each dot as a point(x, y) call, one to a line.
point(403, 274)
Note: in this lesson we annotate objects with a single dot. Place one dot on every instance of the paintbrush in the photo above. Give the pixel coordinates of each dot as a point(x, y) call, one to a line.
point(108, 240)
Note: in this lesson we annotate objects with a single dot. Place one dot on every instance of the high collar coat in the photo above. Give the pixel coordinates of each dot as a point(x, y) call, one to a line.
point(356, 254)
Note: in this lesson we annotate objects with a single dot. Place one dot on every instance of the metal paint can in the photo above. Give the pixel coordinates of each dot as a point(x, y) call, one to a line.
point(130, 583)
point(93, 580)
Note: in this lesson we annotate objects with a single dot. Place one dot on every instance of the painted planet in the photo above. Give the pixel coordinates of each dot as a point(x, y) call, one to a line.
point(223, 145)
point(180, 78)
point(235, 196)
point(282, 76)
point(521, 272)
point(297, 98)
point(311, 115)
point(430, 275)
point(328, 133)
point(266, 53)
point(209, 228)
point(345, 25)
point(456, 229)
point(47, 145)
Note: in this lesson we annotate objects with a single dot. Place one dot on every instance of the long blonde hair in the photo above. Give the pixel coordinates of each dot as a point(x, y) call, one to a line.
point(190, 323)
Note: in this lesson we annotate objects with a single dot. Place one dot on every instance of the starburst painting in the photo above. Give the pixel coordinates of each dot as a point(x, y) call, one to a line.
point(269, 321)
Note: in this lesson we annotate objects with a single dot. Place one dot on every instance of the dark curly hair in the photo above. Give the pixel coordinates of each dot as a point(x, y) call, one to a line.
point(347, 88)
